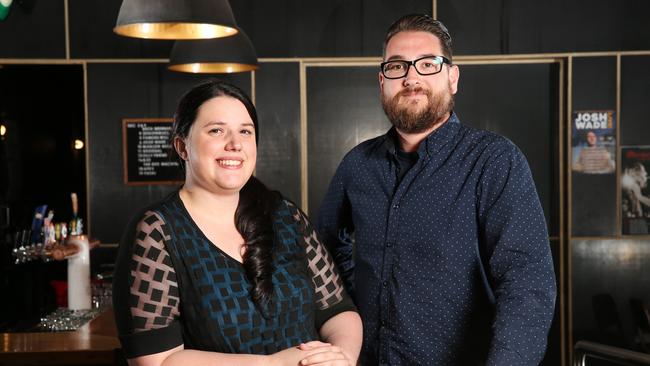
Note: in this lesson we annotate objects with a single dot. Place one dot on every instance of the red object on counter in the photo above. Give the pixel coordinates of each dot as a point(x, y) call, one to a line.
point(61, 291)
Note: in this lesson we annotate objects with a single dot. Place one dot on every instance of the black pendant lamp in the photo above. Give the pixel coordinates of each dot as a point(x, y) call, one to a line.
point(175, 19)
point(219, 55)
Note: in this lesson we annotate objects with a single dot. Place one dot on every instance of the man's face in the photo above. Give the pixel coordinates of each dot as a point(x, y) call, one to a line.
point(415, 103)
point(591, 139)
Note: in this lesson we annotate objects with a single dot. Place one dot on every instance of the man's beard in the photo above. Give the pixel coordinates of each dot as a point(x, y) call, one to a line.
point(408, 121)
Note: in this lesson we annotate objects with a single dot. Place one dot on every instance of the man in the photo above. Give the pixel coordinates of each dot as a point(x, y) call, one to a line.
point(633, 181)
point(451, 257)
point(594, 159)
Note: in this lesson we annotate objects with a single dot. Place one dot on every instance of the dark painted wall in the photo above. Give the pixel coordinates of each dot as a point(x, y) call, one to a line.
point(522, 103)
point(277, 88)
point(608, 273)
point(295, 28)
point(635, 94)
point(617, 270)
point(531, 26)
point(33, 30)
point(594, 88)
point(339, 116)
point(519, 101)
point(91, 33)
point(117, 91)
point(335, 28)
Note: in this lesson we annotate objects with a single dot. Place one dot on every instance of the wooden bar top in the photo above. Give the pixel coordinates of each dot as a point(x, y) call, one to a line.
point(92, 344)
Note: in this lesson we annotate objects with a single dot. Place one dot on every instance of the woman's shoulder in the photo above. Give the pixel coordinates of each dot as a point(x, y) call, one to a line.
point(293, 215)
point(171, 202)
point(289, 210)
point(150, 217)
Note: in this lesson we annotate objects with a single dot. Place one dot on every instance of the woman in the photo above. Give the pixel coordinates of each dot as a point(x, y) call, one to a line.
point(224, 271)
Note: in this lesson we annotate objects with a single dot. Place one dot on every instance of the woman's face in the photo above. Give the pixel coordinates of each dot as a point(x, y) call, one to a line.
point(220, 151)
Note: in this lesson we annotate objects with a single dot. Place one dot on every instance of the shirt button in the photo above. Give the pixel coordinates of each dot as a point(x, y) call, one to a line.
point(389, 244)
point(385, 283)
point(382, 322)
point(396, 206)
point(383, 361)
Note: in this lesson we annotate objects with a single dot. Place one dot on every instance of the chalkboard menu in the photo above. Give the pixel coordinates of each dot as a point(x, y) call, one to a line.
point(148, 156)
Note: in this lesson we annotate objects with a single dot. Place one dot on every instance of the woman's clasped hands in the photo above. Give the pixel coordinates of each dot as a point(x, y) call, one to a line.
point(315, 353)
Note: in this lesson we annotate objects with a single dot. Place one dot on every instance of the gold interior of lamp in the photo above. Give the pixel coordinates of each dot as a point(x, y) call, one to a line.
point(174, 30)
point(216, 68)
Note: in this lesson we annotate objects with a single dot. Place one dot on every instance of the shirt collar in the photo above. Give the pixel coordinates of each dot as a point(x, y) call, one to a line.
point(432, 143)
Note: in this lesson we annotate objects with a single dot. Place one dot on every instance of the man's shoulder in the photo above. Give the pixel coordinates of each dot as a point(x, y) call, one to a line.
point(366, 148)
point(487, 141)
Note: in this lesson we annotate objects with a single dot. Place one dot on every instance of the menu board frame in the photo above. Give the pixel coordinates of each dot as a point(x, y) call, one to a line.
point(131, 154)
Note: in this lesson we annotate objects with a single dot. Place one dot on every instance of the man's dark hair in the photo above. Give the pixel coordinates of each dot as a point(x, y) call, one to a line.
point(422, 23)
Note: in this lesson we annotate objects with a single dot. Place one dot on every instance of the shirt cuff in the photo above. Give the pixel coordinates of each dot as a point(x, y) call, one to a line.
point(321, 316)
point(152, 341)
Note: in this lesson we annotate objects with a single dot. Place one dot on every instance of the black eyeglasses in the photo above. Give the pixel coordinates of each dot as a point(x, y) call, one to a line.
point(427, 65)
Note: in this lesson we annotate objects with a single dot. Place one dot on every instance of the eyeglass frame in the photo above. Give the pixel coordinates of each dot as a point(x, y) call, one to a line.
point(412, 63)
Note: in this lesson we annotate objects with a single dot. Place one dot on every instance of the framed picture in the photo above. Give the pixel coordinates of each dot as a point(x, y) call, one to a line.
point(635, 193)
point(594, 142)
point(147, 152)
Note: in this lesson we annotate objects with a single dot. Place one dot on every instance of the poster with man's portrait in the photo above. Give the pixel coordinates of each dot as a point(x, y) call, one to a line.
point(594, 142)
point(635, 193)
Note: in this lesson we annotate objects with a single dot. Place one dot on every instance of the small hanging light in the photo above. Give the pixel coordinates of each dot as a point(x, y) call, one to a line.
point(220, 55)
point(175, 19)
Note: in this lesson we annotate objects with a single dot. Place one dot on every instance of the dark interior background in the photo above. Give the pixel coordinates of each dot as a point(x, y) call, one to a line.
point(608, 270)
point(594, 87)
point(42, 109)
point(126, 78)
point(117, 91)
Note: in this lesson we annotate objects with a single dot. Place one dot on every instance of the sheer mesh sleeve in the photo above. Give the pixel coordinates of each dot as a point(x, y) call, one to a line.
point(330, 295)
point(154, 290)
point(153, 296)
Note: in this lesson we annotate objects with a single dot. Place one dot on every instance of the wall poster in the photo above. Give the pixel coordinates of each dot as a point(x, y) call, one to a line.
point(635, 194)
point(594, 142)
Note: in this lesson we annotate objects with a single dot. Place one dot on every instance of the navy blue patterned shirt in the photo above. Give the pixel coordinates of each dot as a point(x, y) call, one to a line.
point(450, 265)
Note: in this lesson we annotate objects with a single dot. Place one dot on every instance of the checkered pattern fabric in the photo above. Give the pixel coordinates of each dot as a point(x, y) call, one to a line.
point(178, 274)
point(325, 277)
point(154, 290)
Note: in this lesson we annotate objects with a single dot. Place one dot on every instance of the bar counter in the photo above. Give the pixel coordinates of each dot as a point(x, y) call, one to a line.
point(94, 343)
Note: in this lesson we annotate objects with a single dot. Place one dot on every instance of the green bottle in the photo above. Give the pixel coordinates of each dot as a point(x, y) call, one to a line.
point(4, 8)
